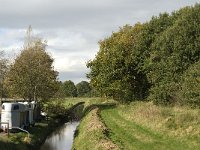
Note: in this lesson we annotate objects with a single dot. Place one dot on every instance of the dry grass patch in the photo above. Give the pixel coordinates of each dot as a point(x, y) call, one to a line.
point(95, 123)
point(92, 134)
point(182, 122)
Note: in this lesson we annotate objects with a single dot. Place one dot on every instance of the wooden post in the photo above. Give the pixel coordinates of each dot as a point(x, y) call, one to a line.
point(8, 129)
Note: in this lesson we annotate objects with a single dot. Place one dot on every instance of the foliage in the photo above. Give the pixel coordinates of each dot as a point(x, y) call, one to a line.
point(191, 86)
point(60, 92)
point(4, 67)
point(176, 49)
point(32, 75)
point(149, 60)
point(83, 89)
point(113, 71)
point(69, 89)
point(56, 108)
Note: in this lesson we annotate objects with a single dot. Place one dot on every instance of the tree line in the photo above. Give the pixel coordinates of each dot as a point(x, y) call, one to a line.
point(69, 89)
point(158, 60)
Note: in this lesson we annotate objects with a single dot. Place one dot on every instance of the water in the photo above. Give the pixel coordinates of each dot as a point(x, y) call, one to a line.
point(61, 138)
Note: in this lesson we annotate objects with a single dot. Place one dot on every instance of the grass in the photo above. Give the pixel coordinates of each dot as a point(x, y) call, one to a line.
point(142, 125)
point(180, 122)
point(69, 102)
point(19, 140)
point(88, 101)
point(130, 135)
point(91, 134)
point(139, 126)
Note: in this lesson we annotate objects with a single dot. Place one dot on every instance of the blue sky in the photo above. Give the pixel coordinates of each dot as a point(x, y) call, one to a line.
point(73, 28)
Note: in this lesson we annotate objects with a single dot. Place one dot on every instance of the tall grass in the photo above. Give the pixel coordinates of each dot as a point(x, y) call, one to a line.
point(180, 122)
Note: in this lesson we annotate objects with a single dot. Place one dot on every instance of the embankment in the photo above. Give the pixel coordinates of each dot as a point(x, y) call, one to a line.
point(140, 126)
point(92, 133)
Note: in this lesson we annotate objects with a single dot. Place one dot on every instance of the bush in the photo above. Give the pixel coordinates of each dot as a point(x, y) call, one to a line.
point(55, 108)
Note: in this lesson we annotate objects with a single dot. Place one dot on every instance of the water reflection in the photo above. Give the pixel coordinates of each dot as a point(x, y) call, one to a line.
point(61, 138)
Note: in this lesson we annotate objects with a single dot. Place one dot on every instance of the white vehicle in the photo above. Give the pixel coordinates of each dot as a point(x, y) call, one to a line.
point(30, 108)
point(26, 114)
point(14, 114)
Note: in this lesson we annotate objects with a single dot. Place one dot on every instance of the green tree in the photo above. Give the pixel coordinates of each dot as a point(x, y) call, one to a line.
point(70, 89)
point(148, 59)
point(61, 92)
point(190, 86)
point(173, 51)
point(114, 70)
point(32, 75)
point(3, 71)
point(83, 88)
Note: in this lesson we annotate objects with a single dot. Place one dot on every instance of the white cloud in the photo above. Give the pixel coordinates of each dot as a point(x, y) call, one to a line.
point(65, 63)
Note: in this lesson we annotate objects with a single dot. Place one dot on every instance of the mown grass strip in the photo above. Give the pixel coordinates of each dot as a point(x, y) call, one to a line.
point(129, 135)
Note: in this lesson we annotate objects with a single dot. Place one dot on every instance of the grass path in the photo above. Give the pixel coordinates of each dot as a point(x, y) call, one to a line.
point(129, 136)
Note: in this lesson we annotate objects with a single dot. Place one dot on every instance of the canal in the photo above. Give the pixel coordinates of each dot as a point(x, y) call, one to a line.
point(61, 138)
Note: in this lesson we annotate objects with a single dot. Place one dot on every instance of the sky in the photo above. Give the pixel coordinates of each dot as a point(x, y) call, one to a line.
point(73, 27)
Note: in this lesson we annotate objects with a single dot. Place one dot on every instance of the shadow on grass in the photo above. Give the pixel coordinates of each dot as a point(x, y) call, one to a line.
point(5, 145)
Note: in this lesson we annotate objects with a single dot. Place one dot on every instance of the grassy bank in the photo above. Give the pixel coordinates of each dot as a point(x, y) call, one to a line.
point(91, 134)
point(20, 140)
point(139, 125)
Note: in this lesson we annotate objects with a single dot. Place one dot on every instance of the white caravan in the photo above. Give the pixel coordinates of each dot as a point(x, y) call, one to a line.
point(14, 114)
point(30, 113)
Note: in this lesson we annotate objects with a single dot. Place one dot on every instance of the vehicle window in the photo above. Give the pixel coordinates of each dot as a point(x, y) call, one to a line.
point(3, 107)
point(16, 107)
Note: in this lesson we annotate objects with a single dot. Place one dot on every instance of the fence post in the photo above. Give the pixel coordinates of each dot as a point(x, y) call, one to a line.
point(8, 129)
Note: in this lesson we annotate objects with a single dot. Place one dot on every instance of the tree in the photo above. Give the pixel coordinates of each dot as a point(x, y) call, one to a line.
point(83, 88)
point(148, 59)
point(3, 71)
point(114, 70)
point(61, 92)
point(32, 75)
point(173, 52)
point(190, 86)
point(70, 89)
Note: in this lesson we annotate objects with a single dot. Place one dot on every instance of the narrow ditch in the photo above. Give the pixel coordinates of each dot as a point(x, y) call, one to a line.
point(62, 137)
